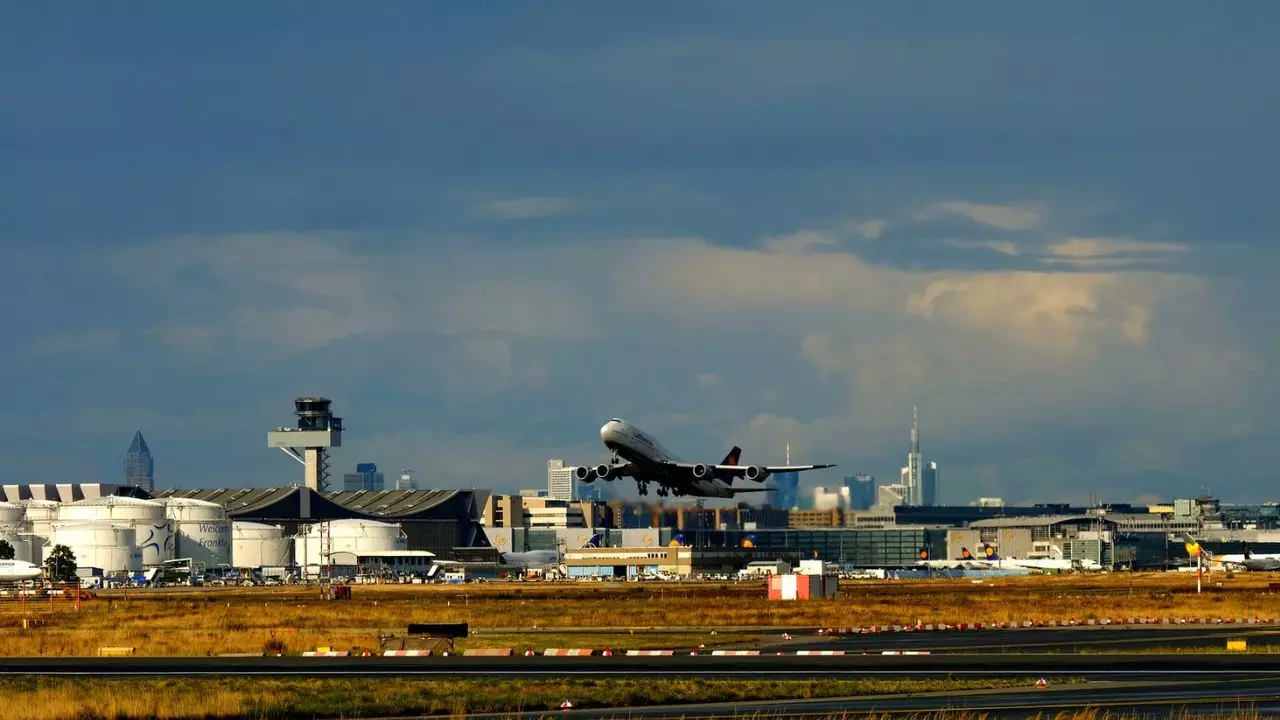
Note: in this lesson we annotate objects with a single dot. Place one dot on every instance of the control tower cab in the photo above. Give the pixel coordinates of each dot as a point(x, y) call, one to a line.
point(309, 442)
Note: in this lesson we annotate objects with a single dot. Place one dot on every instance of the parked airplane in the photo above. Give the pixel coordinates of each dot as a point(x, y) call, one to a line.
point(990, 557)
point(529, 559)
point(640, 456)
point(539, 558)
point(1246, 560)
point(19, 570)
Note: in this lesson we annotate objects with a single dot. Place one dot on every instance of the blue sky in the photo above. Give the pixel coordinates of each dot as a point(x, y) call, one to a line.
point(485, 228)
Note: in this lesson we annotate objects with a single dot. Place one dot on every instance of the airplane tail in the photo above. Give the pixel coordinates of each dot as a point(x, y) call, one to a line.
point(733, 457)
point(595, 541)
point(990, 553)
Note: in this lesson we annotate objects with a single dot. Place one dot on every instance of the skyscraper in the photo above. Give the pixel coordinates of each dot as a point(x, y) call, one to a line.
point(862, 491)
point(930, 478)
point(139, 469)
point(787, 495)
point(911, 473)
point(366, 477)
point(560, 480)
point(919, 481)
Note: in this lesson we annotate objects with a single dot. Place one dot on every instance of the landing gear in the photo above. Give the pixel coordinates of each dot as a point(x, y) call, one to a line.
point(644, 487)
point(663, 492)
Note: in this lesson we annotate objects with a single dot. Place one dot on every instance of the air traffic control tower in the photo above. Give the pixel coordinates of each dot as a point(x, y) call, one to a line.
point(309, 443)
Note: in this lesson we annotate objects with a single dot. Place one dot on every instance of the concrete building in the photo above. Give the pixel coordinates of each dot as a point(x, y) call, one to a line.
point(560, 482)
point(824, 499)
point(891, 496)
point(620, 562)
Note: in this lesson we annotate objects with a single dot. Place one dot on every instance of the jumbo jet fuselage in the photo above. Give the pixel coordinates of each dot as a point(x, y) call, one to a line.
point(639, 455)
point(653, 461)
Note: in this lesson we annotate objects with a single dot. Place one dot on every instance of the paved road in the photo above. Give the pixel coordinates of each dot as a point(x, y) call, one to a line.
point(1110, 667)
point(1155, 700)
point(1067, 640)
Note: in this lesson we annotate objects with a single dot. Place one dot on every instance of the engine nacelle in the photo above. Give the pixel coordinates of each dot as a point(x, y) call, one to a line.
point(602, 471)
point(583, 474)
point(754, 472)
point(701, 471)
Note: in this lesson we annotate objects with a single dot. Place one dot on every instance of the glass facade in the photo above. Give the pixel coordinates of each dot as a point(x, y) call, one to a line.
point(139, 468)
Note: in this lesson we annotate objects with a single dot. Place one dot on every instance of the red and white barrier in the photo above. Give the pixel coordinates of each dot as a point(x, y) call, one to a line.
point(406, 653)
point(650, 653)
point(566, 652)
point(488, 652)
point(331, 653)
point(819, 652)
point(904, 652)
point(735, 653)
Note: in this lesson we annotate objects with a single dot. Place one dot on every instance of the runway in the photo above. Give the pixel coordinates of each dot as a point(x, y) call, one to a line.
point(1154, 700)
point(1066, 640)
point(1141, 667)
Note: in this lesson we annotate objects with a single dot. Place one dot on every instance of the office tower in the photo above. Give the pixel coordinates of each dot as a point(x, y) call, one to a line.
point(560, 481)
point(787, 495)
point(910, 480)
point(930, 480)
point(406, 481)
point(139, 468)
point(862, 491)
point(366, 477)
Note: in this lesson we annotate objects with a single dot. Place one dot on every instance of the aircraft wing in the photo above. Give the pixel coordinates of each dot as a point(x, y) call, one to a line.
point(730, 472)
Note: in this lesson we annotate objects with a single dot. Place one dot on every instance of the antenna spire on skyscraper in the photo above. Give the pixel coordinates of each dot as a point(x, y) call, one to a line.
point(788, 453)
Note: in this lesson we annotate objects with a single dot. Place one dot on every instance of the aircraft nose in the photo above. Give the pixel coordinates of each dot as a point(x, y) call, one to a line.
point(606, 430)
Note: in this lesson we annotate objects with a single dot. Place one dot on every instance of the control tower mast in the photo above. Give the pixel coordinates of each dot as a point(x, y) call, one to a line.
point(309, 442)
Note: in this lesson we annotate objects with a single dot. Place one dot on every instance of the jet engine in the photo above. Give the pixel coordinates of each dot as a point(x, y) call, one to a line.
point(754, 472)
point(583, 474)
point(701, 471)
point(602, 471)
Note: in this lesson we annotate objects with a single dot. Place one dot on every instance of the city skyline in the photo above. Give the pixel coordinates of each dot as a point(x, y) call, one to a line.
point(729, 223)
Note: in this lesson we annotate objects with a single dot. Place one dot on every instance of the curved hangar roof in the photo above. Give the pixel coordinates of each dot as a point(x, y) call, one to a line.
point(292, 503)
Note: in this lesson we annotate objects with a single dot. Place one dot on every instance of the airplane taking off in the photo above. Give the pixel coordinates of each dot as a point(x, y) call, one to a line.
point(640, 456)
point(19, 570)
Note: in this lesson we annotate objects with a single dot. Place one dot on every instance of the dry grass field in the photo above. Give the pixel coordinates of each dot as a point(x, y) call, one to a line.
point(223, 620)
point(86, 699)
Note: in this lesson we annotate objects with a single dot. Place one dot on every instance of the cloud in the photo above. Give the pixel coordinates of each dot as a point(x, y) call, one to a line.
point(871, 229)
point(1004, 217)
point(498, 330)
point(1043, 309)
point(89, 341)
point(709, 380)
point(1110, 252)
point(1004, 247)
point(800, 242)
point(529, 208)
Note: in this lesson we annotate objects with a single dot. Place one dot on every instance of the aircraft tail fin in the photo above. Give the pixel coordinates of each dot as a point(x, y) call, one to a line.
point(595, 541)
point(733, 457)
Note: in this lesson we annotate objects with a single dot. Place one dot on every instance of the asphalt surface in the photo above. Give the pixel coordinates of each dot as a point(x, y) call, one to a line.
point(1105, 667)
point(1068, 640)
point(1154, 700)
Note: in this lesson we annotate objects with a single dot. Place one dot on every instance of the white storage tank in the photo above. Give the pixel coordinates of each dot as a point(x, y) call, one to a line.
point(11, 513)
point(40, 516)
point(256, 545)
point(112, 547)
point(146, 517)
point(355, 536)
point(17, 536)
point(201, 531)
